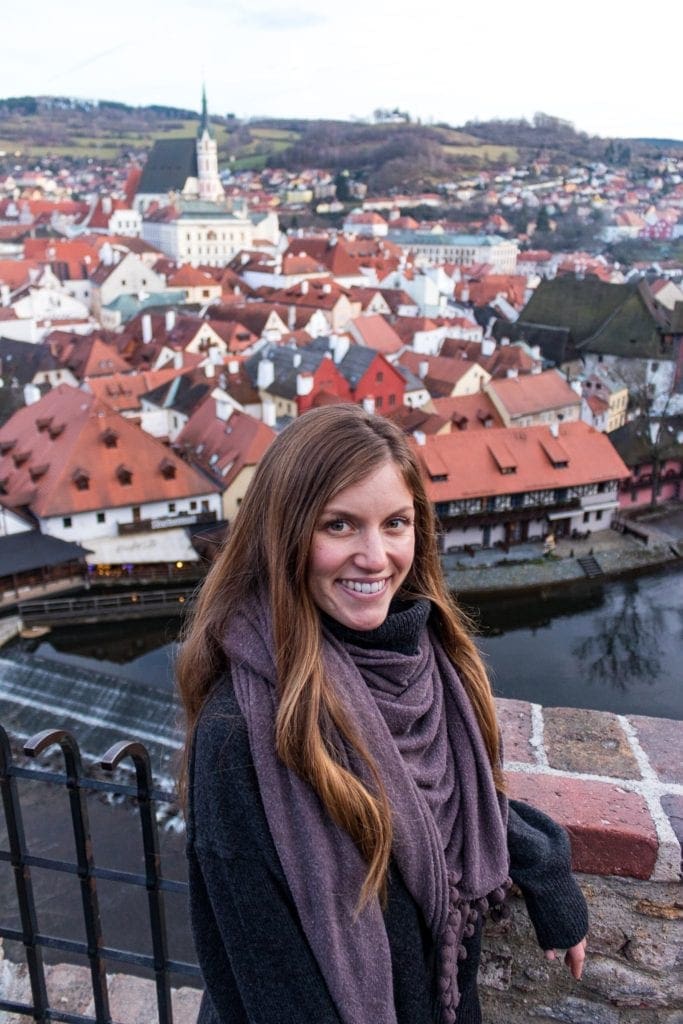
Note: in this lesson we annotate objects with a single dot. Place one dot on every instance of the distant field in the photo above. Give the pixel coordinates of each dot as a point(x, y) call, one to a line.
point(486, 153)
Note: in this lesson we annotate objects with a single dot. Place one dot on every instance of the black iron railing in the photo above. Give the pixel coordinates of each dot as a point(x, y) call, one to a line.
point(22, 861)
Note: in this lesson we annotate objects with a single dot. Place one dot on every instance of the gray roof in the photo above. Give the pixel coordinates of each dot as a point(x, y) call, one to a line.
point(286, 367)
point(24, 552)
point(356, 362)
point(169, 165)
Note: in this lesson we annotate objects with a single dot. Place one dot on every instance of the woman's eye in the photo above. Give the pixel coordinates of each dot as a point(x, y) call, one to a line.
point(336, 525)
point(397, 523)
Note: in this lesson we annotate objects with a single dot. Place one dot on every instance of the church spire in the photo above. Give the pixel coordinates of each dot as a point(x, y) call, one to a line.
point(204, 123)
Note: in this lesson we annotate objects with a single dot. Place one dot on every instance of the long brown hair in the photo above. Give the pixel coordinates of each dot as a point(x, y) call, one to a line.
point(318, 455)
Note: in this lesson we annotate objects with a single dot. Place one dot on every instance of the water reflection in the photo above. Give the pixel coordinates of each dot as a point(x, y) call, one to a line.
point(625, 647)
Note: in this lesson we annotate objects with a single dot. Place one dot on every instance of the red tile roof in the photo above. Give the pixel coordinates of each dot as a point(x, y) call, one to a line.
point(70, 435)
point(376, 332)
point(484, 463)
point(533, 393)
point(469, 412)
point(223, 447)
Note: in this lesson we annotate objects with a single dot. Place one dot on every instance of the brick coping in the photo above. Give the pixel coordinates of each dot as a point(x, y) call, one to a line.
point(614, 781)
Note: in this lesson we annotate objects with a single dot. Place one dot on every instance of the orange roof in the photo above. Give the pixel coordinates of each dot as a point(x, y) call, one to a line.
point(534, 392)
point(377, 333)
point(484, 463)
point(224, 448)
point(17, 273)
point(469, 412)
point(442, 371)
point(191, 277)
point(122, 391)
point(71, 453)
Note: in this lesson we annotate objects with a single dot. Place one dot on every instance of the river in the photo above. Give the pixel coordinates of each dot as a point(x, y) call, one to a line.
point(614, 646)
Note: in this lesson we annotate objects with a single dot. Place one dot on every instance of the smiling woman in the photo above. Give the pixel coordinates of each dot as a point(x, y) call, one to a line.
point(347, 825)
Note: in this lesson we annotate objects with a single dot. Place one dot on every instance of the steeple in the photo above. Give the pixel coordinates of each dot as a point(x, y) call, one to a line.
point(204, 123)
point(208, 180)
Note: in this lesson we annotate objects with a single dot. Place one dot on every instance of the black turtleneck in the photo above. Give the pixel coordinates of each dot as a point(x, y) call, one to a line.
point(400, 631)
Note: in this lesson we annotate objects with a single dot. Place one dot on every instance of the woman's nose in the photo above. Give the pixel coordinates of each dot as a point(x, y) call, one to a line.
point(371, 553)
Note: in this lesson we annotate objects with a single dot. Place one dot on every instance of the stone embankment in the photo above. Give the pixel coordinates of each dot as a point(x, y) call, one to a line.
point(526, 567)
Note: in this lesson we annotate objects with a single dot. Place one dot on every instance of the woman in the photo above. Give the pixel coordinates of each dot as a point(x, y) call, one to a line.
point(346, 819)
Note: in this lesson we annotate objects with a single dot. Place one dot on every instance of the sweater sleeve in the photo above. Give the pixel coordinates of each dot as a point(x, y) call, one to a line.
point(254, 956)
point(540, 864)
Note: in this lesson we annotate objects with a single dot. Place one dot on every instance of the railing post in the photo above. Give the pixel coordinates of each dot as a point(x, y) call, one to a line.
point(84, 857)
point(150, 842)
point(22, 881)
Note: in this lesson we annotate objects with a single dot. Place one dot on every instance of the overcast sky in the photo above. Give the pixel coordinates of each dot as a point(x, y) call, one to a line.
point(592, 62)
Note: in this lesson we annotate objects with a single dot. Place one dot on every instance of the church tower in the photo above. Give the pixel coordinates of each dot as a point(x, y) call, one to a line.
point(210, 187)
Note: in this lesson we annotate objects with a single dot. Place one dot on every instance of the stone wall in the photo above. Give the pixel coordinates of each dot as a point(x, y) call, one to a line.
point(616, 784)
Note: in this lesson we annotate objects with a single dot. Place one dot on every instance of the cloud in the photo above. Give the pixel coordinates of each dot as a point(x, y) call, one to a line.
point(273, 20)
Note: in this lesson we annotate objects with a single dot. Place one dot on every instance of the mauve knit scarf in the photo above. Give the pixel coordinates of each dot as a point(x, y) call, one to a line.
point(449, 822)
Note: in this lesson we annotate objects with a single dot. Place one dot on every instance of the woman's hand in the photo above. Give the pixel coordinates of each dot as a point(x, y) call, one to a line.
point(573, 958)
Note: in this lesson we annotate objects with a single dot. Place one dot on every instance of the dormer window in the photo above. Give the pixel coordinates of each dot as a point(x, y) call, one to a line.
point(3, 485)
point(168, 469)
point(6, 446)
point(43, 423)
point(37, 471)
point(81, 479)
point(20, 458)
point(109, 438)
point(56, 429)
point(124, 475)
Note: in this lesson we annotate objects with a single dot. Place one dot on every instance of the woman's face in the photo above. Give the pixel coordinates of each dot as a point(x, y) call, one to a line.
point(363, 548)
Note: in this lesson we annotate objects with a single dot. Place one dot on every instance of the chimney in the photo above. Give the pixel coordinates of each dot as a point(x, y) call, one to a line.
point(576, 386)
point(488, 346)
point(146, 328)
point(178, 360)
point(555, 429)
point(304, 287)
point(420, 437)
point(512, 372)
point(209, 370)
point(369, 405)
point(327, 288)
point(106, 204)
point(296, 359)
point(538, 368)
point(304, 384)
point(265, 374)
point(170, 319)
point(223, 409)
point(268, 413)
point(291, 317)
point(465, 295)
point(423, 369)
point(233, 366)
point(340, 346)
point(31, 394)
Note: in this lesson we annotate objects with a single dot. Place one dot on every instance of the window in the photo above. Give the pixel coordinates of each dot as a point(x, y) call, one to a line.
point(124, 476)
point(378, 402)
point(598, 514)
point(205, 505)
point(66, 521)
point(171, 506)
point(101, 518)
point(392, 399)
point(586, 517)
point(193, 506)
point(379, 376)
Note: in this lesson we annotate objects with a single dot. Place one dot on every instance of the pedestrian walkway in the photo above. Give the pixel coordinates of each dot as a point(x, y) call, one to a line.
point(525, 566)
